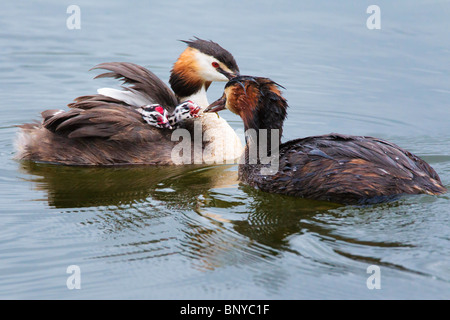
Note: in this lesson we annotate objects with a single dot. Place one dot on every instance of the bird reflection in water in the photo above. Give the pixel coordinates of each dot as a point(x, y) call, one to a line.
point(223, 223)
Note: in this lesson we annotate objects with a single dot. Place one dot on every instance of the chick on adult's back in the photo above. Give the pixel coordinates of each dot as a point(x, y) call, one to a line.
point(106, 128)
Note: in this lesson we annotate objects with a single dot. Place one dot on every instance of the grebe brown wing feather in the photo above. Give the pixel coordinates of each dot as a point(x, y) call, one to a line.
point(142, 80)
point(348, 169)
point(113, 122)
point(105, 135)
point(94, 100)
point(378, 152)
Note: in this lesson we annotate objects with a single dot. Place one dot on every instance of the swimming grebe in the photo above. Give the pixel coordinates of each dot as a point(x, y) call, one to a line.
point(334, 167)
point(107, 129)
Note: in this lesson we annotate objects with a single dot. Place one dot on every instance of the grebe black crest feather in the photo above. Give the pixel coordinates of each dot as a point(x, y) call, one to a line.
point(213, 49)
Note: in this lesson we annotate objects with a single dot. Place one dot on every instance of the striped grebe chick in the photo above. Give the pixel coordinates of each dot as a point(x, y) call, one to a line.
point(155, 114)
point(338, 168)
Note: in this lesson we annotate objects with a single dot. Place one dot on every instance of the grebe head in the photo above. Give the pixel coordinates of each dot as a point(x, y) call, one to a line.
point(258, 101)
point(201, 63)
point(213, 63)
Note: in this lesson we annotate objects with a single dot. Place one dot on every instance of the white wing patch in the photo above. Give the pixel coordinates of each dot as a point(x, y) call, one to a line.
point(133, 98)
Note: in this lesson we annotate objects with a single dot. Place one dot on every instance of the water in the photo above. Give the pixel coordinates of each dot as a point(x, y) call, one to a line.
point(195, 232)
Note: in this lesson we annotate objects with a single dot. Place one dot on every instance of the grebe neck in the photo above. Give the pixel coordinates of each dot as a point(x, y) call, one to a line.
point(199, 97)
point(264, 127)
point(267, 116)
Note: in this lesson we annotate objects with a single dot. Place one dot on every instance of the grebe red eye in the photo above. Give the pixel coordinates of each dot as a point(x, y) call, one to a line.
point(215, 64)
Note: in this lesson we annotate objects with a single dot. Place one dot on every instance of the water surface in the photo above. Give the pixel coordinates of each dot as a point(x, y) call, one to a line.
point(194, 232)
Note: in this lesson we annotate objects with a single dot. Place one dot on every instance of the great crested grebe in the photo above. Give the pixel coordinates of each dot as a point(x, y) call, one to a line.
point(334, 167)
point(110, 127)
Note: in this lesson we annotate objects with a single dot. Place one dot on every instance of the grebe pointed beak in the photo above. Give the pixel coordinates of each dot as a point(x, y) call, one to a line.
point(217, 105)
point(229, 75)
point(165, 125)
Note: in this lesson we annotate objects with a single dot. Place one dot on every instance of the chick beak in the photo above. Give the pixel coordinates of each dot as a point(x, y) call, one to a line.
point(164, 124)
point(194, 111)
point(217, 105)
point(231, 75)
